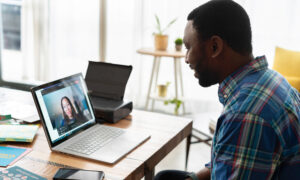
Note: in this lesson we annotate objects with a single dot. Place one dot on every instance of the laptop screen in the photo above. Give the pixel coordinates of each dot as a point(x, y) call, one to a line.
point(64, 106)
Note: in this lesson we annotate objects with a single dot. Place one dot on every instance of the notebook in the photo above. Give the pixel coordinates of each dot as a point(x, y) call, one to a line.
point(70, 126)
point(9, 155)
point(17, 132)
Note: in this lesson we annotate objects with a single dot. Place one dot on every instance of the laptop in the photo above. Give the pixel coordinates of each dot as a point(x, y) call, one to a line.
point(70, 125)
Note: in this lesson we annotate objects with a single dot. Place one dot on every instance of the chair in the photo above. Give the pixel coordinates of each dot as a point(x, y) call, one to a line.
point(203, 128)
point(287, 63)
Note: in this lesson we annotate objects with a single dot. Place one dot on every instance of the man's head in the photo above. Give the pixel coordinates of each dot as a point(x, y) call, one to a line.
point(216, 31)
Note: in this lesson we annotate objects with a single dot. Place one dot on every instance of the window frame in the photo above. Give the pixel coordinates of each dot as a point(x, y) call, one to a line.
point(3, 83)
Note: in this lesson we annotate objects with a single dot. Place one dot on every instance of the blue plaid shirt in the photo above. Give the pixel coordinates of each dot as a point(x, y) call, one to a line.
point(258, 133)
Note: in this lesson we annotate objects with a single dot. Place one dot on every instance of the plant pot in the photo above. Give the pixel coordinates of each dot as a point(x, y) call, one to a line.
point(161, 42)
point(162, 90)
point(178, 47)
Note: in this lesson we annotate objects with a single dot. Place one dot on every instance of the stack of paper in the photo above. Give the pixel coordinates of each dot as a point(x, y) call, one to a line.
point(20, 133)
point(18, 103)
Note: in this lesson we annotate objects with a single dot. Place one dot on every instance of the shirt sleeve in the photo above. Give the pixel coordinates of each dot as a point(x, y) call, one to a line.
point(246, 147)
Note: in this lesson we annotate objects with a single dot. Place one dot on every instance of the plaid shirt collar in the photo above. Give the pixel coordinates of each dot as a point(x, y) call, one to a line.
point(229, 84)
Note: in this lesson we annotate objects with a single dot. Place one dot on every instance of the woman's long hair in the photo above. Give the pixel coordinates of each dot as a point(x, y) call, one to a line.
point(64, 113)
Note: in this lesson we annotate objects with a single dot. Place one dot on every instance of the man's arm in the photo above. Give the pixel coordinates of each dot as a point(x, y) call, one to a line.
point(247, 147)
point(204, 174)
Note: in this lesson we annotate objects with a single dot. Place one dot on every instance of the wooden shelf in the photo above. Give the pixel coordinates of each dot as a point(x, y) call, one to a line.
point(157, 98)
point(168, 53)
point(176, 56)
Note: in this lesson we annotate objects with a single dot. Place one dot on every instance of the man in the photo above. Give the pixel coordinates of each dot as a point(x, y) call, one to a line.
point(258, 133)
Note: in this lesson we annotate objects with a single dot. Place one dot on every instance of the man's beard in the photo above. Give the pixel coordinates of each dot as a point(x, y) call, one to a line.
point(206, 77)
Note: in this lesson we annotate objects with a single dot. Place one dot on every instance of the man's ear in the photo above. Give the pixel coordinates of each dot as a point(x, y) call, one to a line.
point(216, 46)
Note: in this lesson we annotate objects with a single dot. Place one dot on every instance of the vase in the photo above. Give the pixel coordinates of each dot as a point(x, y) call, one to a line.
point(161, 42)
point(178, 47)
point(162, 90)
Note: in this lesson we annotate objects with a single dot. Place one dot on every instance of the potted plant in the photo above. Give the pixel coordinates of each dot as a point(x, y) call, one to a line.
point(177, 103)
point(161, 39)
point(178, 44)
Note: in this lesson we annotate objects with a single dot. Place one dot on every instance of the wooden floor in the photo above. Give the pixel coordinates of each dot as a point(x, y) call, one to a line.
point(199, 156)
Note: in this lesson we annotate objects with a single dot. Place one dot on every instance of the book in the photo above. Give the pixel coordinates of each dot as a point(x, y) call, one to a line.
point(9, 121)
point(9, 155)
point(20, 133)
point(17, 172)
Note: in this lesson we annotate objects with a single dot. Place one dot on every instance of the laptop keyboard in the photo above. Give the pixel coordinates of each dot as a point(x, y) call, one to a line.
point(95, 140)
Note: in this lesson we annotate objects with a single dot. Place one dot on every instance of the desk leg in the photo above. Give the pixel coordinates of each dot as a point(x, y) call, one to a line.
point(188, 144)
point(150, 83)
point(149, 175)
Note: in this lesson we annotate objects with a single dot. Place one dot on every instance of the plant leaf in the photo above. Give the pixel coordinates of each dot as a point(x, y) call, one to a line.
point(166, 102)
point(172, 22)
point(168, 83)
point(158, 24)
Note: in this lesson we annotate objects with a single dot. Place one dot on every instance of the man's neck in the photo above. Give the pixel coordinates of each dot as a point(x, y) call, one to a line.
point(233, 62)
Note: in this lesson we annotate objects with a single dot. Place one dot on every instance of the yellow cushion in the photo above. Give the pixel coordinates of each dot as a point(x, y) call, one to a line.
point(287, 63)
point(294, 81)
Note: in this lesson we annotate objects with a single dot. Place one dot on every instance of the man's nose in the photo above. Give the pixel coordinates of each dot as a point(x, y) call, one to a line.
point(186, 60)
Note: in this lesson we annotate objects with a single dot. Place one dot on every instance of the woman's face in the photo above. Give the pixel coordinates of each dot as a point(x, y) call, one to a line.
point(67, 108)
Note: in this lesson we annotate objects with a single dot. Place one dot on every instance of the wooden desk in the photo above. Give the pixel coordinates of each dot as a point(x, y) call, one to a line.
point(176, 55)
point(166, 133)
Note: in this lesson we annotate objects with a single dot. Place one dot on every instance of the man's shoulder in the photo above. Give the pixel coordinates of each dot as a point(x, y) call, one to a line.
point(264, 93)
point(265, 85)
point(267, 79)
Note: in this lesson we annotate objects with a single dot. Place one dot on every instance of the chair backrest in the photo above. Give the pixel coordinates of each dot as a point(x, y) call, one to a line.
point(287, 63)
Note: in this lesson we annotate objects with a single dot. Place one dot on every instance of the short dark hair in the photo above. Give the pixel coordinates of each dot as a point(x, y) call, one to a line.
point(226, 19)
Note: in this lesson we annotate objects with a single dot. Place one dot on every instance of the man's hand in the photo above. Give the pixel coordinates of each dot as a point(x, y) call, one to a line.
point(203, 174)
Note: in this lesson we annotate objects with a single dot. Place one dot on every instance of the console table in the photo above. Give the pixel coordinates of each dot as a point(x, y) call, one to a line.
point(176, 56)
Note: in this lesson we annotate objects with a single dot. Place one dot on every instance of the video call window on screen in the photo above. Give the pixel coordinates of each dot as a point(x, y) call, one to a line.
point(67, 106)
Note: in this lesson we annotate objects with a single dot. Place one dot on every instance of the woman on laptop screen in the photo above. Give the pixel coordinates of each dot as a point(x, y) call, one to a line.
point(71, 119)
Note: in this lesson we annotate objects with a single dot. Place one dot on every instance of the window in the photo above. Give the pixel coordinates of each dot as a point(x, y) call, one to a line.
point(11, 20)
point(46, 40)
point(10, 39)
point(11, 53)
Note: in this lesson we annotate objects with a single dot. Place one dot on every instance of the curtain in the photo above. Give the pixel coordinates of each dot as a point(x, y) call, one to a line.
point(73, 36)
point(130, 25)
point(274, 23)
point(35, 39)
point(59, 37)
